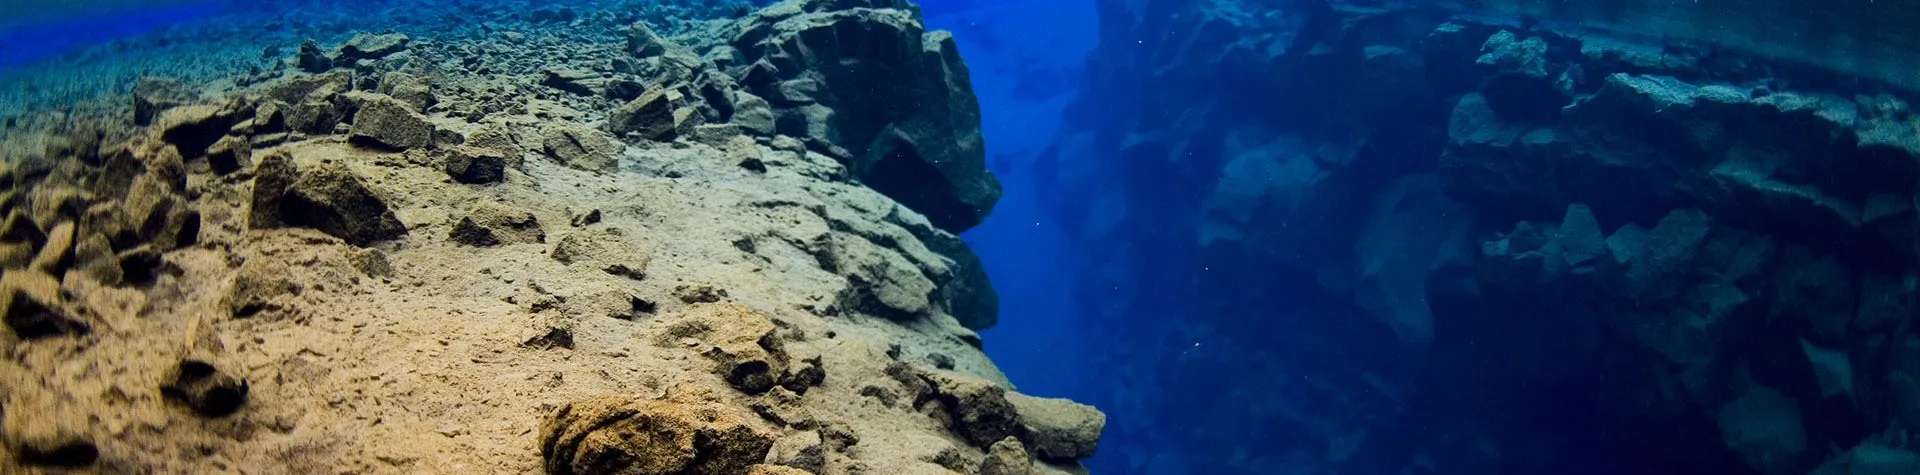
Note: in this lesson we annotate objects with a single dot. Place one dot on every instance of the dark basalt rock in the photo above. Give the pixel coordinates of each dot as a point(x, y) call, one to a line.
point(930, 157)
point(388, 123)
point(205, 389)
point(328, 197)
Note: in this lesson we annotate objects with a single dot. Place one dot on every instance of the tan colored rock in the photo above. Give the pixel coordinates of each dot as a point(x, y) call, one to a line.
point(625, 435)
point(492, 224)
point(1058, 429)
point(1007, 457)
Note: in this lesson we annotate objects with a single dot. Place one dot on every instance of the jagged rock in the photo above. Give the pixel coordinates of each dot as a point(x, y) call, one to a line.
point(699, 292)
point(493, 224)
point(577, 81)
point(1815, 294)
point(370, 46)
point(582, 148)
point(57, 254)
point(192, 129)
point(605, 250)
point(1579, 242)
point(1058, 429)
point(315, 104)
point(33, 308)
point(740, 341)
point(1666, 254)
point(1763, 426)
point(414, 91)
point(977, 410)
point(230, 154)
point(311, 58)
point(262, 286)
point(1831, 369)
point(753, 114)
point(386, 122)
point(651, 437)
point(1007, 457)
point(94, 257)
point(1507, 51)
point(642, 42)
point(328, 197)
point(802, 450)
point(476, 165)
point(932, 158)
point(206, 389)
point(153, 96)
point(659, 114)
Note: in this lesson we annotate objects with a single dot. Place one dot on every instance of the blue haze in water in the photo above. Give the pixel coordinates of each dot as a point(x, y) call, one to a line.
point(1333, 237)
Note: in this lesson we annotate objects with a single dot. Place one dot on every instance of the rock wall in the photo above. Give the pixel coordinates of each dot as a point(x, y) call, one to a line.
point(1401, 240)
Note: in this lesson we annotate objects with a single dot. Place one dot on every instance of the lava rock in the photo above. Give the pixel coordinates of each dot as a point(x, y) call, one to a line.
point(414, 91)
point(741, 343)
point(572, 80)
point(930, 158)
point(492, 224)
point(261, 286)
point(1007, 457)
point(152, 96)
point(699, 293)
point(476, 165)
point(192, 129)
point(753, 114)
point(32, 305)
point(582, 148)
point(328, 197)
point(230, 154)
point(370, 46)
point(977, 410)
point(388, 123)
point(659, 114)
point(1763, 426)
point(651, 437)
point(311, 59)
point(206, 389)
point(604, 250)
point(802, 450)
point(1058, 429)
point(56, 255)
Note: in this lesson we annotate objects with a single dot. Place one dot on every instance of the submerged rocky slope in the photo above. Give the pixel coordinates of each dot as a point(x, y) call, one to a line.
point(553, 248)
point(1411, 240)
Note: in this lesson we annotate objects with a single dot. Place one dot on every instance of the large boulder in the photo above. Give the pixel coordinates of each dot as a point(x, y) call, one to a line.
point(1058, 429)
point(581, 147)
point(896, 98)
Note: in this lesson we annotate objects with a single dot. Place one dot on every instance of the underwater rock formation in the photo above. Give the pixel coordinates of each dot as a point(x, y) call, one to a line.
point(1437, 242)
point(486, 238)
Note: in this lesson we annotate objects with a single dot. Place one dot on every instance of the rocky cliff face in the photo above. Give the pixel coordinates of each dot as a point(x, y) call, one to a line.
point(1410, 241)
point(573, 245)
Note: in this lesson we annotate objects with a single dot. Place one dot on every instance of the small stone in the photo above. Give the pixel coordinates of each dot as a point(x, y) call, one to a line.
point(475, 165)
point(371, 46)
point(582, 148)
point(801, 450)
point(262, 286)
point(493, 224)
point(372, 262)
point(206, 389)
point(584, 220)
point(1007, 457)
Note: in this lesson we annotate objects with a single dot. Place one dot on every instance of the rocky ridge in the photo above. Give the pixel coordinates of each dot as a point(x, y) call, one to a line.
point(406, 254)
point(1481, 246)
